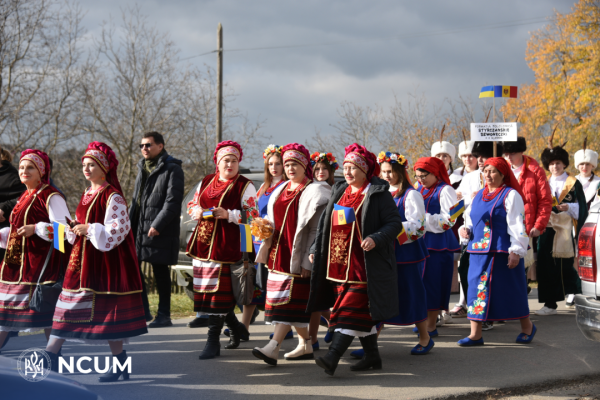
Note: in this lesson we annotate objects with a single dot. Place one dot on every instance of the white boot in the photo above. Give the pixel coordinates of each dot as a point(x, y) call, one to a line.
point(304, 351)
point(269, 353)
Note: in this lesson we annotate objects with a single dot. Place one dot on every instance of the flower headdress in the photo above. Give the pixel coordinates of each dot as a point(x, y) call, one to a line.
point(392, 158)
point(326, 158)
point(271, 149)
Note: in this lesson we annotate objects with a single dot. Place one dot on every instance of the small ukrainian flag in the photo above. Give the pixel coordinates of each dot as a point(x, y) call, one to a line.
point(59, 236)
point(457, 210)
point(245, 238)
point(208, 213)
point(343, 215)
point(486, 91)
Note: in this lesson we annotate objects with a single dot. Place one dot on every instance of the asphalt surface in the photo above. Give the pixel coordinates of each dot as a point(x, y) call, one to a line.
point(166, 364)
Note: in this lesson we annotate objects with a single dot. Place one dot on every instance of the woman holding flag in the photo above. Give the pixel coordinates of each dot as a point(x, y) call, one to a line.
point(294, 210)
point(440, 199)
point(410, 249)
point(497, 242)
point(101, 300)
point(223, 200)
point(30, 255)
point(354, 262)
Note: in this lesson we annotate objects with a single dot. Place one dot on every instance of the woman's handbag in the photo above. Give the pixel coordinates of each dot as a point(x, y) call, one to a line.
point(262, 274)
point(44, 297)
point(243, 280)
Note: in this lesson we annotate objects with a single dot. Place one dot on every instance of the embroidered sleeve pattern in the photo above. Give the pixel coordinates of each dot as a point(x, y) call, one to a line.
point(515, 218)
point(249, 207)
point(45, 231)
point(115, 229)
point(415, 216)
point(57, 211)
point(194, 205)
point(439, 223)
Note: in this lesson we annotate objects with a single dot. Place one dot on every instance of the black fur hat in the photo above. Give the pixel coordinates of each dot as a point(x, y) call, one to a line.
point(520, 146)
point(554, 154)
point(486, 149)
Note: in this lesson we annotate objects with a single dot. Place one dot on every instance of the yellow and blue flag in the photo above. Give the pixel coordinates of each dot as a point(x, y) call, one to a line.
point(245, 238)
point(457, 210)
point(59, 236)
point(343, 215)
point(208, 213)
point(498, 91)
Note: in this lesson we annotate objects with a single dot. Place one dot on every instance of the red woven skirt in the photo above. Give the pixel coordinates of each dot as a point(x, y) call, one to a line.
point(351, 309)
point(90, 316)
point(295, 309)
point(219, 302)
point(15, 314)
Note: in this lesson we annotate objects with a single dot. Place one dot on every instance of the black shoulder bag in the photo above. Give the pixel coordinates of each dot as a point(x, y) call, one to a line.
point(44, 297)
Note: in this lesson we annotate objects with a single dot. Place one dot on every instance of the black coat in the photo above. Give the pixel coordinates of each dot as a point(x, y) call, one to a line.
point(160, 208)
point(10, 189)
point(382, 223)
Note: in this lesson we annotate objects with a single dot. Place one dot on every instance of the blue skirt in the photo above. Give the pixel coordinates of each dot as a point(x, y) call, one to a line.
point(496, 292)
point(437, 279)
point(411, 295)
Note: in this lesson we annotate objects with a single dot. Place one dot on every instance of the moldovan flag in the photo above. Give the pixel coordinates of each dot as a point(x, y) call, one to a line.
point(402, 236)
point(245, 238)
point(59, 236)
point(457, 210)
point(343, 215)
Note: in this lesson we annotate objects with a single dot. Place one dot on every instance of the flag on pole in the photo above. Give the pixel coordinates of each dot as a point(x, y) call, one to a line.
point(498, 91)
point(457, 210)
point(245, 238)
point(402, 236)
point(59, 236)
point(343, 215)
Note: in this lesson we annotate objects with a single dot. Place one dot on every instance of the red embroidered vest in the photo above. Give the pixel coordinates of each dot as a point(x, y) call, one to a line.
point(25, 257)
point(218, 240)
point(112, 272)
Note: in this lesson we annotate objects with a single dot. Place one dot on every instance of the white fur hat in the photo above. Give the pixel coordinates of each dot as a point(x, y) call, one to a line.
point(443, 147)
point(465, 147)
point(586, 156)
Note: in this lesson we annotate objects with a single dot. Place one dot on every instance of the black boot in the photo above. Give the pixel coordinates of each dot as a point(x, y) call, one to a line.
point(237, 330)
point(110, 376)
point(339, 345)
point(371, 358)
point(212, 348)
point(53, 360)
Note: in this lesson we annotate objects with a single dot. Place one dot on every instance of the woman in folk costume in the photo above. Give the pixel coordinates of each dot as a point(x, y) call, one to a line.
point(586, 161)
point(324, 167)
point(28, 241)
point(497, 242)
point(556, 274)
point(223, 200)
point(354, 262)
point(294, 210)
point(101, 300)
point(411, 253)
point(439, 197)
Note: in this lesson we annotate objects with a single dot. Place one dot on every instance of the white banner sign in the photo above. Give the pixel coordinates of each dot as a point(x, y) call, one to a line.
point(494, 132)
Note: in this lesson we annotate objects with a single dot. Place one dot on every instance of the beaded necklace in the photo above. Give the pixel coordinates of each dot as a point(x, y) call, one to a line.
point(430, 190)
point(89, 196)
point(350, 199)
point(488, 196)
point(217, 187)
point(22, 202)
point(288, 194)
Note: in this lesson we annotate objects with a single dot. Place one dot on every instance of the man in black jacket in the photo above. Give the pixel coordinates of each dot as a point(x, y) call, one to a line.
point(155, 214)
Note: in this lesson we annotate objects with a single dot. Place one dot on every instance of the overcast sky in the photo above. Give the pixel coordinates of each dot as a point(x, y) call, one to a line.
point(299, 89)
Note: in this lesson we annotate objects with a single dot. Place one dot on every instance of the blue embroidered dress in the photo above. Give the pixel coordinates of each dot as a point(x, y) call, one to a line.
point(498, 228)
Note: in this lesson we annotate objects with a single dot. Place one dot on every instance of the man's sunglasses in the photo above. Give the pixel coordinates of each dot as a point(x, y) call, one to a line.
point(146, 145)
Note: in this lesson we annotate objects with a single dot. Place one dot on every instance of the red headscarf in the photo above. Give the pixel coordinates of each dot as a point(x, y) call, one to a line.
point(105, 157)
point(41, 162)
point(300, 154)
point(226, 148)
point(433, 166)
point(363, 159)
point(509, 177)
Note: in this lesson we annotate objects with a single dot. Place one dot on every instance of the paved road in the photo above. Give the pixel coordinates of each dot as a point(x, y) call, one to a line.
point(166, 365)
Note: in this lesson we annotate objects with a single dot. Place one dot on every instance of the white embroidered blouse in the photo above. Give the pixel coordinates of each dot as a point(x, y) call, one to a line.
point(473, 182)
point(589, 187)
point(439, 223)
point(414, 211)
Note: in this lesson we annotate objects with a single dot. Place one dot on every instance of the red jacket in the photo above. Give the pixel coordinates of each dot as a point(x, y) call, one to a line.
point(538, 196)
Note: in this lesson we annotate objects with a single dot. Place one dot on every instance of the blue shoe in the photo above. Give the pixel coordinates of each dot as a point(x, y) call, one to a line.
point(323, 322)
point(431, 334)
point(419, 350)
point(359, 354)
point(523, 338)
point(416, 330)
point(315, 346)
point(468, 342)
point(289, 335)
point(328, 337)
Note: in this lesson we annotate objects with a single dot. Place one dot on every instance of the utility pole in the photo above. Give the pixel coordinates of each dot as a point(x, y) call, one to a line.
point(219, 83)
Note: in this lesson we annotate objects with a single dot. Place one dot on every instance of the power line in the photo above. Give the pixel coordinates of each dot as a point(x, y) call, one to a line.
point(499, 25)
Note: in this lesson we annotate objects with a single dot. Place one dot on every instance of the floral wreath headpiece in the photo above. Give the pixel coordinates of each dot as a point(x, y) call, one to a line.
point(392, 158)
point(327, 158)
point(271, 149)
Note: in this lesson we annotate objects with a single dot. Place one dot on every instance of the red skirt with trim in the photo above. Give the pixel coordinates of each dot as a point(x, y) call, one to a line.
point(220, 302)
point(113, 317)
point(15, 313)
point(351, 309)
point(295, 310)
